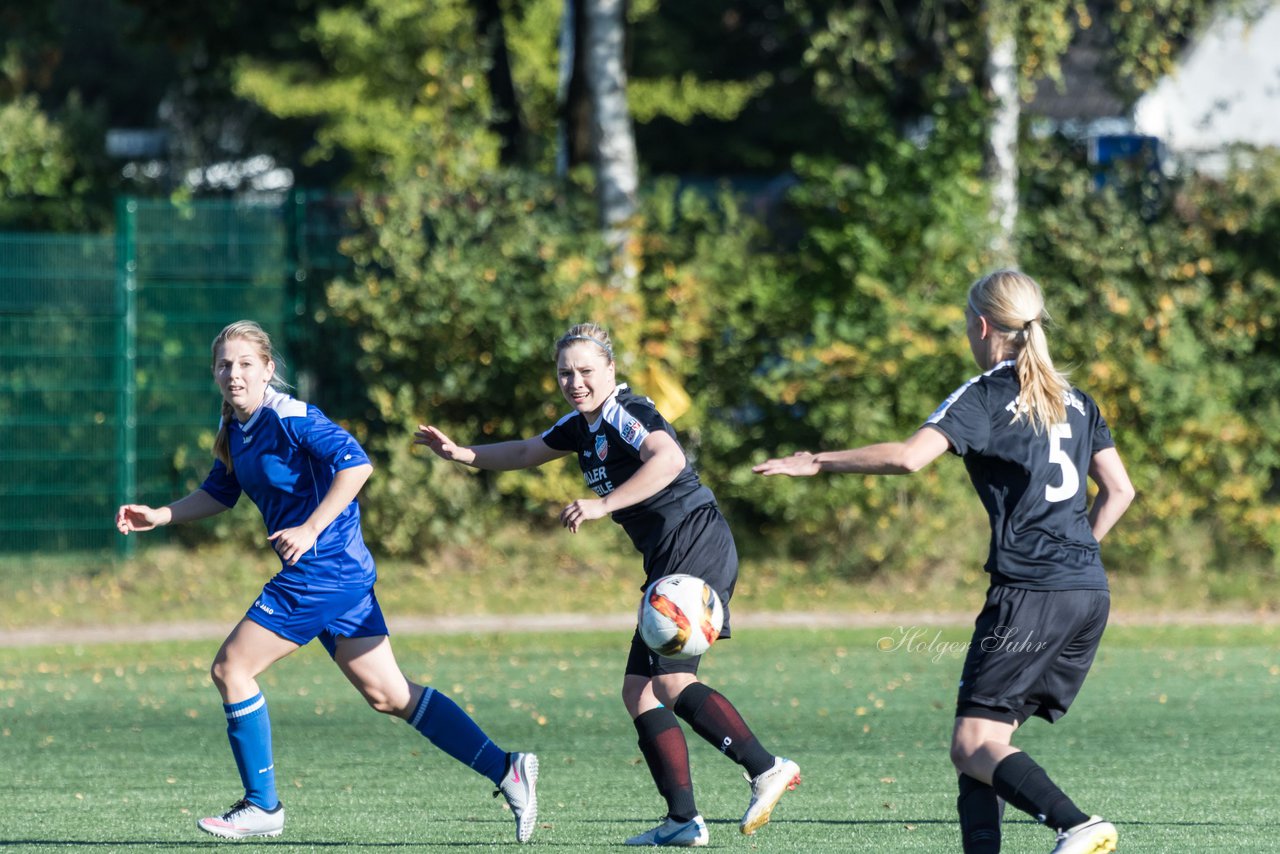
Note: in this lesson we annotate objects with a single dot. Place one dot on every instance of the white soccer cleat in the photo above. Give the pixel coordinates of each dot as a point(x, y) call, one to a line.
point(675, 834)
point(1094, 836)
point(244, 820)
point(520, 787)
point(766, 790)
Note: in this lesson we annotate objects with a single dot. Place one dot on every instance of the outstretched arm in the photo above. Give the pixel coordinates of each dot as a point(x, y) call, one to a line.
point(1115, 491)
point(140, 517)
point(917, 451)
point(500, 456)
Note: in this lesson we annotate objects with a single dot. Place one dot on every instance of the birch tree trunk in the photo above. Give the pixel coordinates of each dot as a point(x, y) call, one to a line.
point(615, 145)
point(1002, 72)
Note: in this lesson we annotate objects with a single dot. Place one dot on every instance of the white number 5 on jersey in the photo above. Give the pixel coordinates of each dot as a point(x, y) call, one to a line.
point(1070, 477)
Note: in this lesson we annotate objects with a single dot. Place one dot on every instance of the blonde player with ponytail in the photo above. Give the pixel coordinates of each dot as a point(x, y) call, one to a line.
point(303, 472)
point(1028, 439)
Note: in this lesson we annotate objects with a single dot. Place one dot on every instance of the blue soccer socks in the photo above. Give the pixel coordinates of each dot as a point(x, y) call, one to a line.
point(249, 730)
point(452, 730)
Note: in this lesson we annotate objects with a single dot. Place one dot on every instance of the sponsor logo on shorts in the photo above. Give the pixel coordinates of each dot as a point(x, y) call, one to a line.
point(263, 607)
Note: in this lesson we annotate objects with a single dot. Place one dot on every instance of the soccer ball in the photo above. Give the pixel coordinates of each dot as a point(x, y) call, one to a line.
point(680, 616)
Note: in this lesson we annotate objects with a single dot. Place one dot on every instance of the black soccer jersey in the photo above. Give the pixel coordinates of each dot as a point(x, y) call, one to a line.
point(609, 453)
point(1032, 484)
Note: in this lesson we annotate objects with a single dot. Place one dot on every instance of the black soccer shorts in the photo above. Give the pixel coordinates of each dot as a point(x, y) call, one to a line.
point(702, 546)
point(1030, 652)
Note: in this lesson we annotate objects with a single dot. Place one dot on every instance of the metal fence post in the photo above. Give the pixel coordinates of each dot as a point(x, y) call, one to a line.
point(127, 357)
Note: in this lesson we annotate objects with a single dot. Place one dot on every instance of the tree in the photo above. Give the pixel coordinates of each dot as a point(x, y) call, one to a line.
point(722, 88)
point(393, 89)
point(617, 175)
point(37, 165)
point(207, 120)
point(54, 74)
point(507, 121)
point(1002, 72)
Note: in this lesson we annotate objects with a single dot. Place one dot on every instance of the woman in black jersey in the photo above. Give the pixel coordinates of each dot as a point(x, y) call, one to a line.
point(632, 461)
point(1027, 438)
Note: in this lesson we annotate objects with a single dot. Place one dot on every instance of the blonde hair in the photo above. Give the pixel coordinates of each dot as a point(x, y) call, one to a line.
point(1013, 304)
point(593, 332)
point(245, 330)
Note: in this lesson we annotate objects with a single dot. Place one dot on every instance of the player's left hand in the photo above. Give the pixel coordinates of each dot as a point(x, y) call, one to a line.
point(292, 543)
point(582, 510)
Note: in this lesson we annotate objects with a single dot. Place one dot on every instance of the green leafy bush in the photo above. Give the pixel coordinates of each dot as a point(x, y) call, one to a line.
point(1171, 320)
point(458, 295)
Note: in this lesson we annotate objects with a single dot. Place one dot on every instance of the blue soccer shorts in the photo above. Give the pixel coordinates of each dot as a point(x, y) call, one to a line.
point(300, 613)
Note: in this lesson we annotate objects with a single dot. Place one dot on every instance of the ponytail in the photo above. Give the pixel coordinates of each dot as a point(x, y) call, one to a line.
point(222, 442)
point(1043, 388)
point(1014, 305)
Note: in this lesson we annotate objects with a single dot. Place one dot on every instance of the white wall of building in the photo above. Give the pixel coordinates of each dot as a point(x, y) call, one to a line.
point(1226, 89)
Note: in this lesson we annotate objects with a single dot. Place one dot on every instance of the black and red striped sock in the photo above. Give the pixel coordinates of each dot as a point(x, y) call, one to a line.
point(713, 717)
point(664, 749)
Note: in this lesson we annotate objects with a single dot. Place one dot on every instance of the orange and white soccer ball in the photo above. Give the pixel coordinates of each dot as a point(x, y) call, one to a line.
point(680, 616)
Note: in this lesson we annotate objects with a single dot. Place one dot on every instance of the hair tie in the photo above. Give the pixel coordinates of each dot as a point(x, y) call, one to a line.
point(608, 350)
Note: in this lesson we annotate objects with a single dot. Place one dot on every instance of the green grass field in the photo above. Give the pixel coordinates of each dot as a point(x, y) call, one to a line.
point(122, 747)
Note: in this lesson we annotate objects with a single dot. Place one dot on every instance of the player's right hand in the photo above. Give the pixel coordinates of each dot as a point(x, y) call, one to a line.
point(441, 445)
point(799, 464)
point(137, 517)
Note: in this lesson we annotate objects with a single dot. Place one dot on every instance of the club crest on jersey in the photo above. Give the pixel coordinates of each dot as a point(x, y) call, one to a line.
point(602, 446)
point(630, 430)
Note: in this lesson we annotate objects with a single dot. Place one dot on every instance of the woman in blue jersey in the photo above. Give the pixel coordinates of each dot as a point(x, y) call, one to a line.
point(634, 465)
point(303, 472)
point(1027, 438)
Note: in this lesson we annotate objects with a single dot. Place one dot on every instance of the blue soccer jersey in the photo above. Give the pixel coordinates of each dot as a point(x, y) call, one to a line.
point(285, 458)
point(1033, 485)
point(609, 454)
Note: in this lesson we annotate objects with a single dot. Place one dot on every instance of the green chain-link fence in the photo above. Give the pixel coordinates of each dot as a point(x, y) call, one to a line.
point(106, 393)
